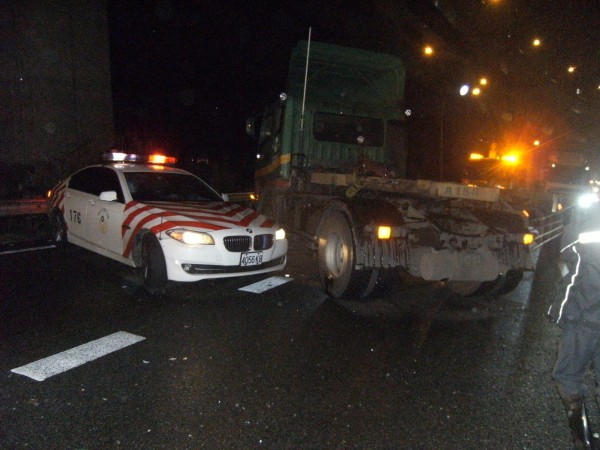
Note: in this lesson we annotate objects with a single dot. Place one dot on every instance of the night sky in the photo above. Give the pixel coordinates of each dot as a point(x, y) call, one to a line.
point(187, 74)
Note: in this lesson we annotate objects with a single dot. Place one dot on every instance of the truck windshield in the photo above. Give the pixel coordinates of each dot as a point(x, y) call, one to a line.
point(563, 174)
point(168, 187)
point(348, 129)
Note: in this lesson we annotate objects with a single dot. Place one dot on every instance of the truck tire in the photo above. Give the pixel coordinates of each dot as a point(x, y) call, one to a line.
point(336, 260)
point(464, 288)
point(154, 268)
point(504, 284)
point(59, 229)
point(510, 281)
point(489, 287)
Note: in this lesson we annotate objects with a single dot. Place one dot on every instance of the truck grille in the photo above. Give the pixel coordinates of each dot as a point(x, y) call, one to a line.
point(263, 241)
point(237, 243)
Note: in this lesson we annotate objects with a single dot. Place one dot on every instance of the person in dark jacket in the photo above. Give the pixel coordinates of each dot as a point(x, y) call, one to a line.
point(577, 311)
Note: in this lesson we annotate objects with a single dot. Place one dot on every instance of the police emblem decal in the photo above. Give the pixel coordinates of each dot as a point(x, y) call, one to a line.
point(103, 220)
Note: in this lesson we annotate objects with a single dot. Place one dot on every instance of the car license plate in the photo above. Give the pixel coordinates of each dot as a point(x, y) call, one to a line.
point(251, 259)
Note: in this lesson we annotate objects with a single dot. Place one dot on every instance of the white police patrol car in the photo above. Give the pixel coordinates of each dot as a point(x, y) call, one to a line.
point(164, 220)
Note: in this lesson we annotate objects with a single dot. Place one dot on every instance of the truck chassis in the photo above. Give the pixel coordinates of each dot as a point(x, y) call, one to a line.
point(464, 236)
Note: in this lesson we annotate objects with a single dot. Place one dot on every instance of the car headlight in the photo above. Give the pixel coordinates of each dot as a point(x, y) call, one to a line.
point(280, 234)
point(191, 237)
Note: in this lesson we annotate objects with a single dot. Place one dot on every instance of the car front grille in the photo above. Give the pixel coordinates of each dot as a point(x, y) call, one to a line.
point(263, 241)
point(237, 243)
point(242, 243)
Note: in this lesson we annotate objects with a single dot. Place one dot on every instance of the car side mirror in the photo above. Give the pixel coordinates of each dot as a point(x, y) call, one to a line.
point(108, 196)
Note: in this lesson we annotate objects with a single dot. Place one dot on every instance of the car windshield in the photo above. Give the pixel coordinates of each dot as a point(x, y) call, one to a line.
point(168, 187)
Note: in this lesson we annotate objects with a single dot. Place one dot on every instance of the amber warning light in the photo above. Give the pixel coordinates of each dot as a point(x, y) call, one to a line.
point(161, 159)
point(134, 158)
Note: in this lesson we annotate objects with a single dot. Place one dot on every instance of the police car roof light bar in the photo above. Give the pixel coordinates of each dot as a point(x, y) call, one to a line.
point(134, 158)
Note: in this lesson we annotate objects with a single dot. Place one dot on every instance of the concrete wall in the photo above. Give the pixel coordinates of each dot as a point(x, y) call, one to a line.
point(56, 108)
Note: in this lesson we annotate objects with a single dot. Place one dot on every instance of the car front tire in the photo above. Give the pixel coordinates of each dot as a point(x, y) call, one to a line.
point(59, 229)
point(154, 268)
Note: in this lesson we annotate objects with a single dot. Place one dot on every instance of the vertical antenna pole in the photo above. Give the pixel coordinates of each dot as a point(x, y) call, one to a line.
point(304, 93)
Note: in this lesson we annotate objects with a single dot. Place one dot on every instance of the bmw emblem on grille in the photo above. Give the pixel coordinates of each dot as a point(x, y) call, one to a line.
point(249, 230)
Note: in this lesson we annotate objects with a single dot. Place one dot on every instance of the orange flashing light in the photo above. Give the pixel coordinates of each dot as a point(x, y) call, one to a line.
point(384, 232)
point(511, 158)
point(161, 159)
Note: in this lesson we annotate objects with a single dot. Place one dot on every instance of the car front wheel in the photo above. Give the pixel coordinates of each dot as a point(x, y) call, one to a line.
point(59, 229)
point(154, 268)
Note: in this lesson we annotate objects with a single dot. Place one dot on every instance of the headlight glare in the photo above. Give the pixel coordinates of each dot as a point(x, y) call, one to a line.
point(280, 234)
point(191, 237)
point(586, 200)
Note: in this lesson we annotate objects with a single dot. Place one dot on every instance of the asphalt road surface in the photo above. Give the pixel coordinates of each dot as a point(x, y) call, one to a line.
point(215, 367)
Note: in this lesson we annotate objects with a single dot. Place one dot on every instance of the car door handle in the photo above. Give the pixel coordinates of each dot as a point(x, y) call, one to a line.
point(92, 202)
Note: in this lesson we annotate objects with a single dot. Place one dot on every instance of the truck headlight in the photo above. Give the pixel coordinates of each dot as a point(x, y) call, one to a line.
point(280, 234)
point(191, 237)
point(586, 200)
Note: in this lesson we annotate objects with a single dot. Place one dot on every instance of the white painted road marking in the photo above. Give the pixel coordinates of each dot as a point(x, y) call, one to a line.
point(69, 359)
point(265, 285)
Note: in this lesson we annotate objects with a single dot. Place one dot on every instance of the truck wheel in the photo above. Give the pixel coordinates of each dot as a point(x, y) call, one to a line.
point(502, 285)
point(379, 282)
point(59, 229)
point(154, 268)
point(489, 287)
point(464, 288)
point(336, 260)
point(510, 281)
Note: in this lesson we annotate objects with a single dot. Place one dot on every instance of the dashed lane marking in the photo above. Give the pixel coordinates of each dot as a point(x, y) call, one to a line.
point(69, 359)
point(265, 285)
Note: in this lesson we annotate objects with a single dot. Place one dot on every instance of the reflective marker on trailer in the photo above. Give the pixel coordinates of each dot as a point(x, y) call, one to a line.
point(69, 359)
